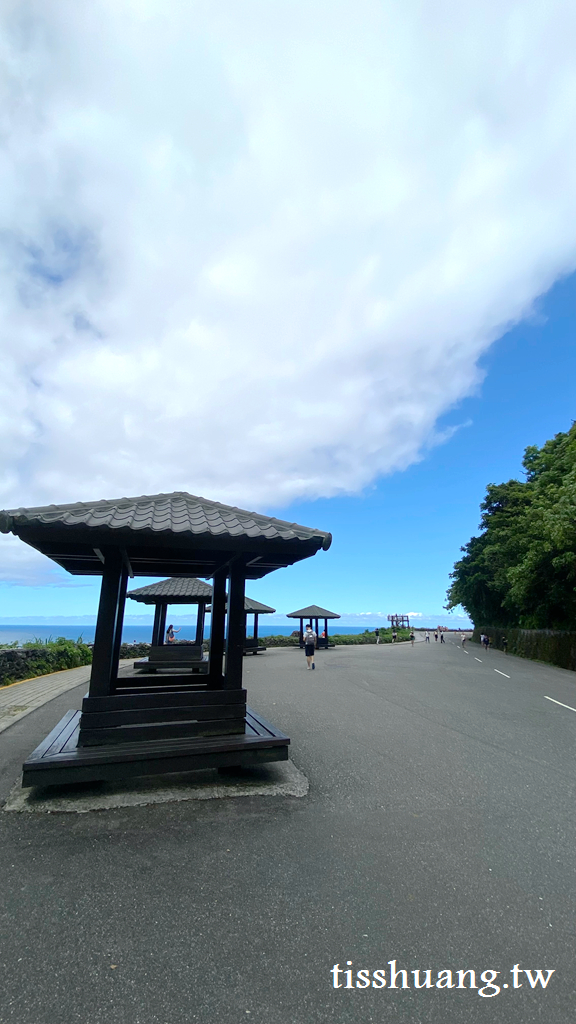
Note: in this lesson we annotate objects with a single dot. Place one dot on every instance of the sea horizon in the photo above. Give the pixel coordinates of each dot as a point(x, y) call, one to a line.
point(26, 632)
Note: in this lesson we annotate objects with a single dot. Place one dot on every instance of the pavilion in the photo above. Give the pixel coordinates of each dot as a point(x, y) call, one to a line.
point(132, 725)
point(192, 591)
point(255, 608)
point(311, 614)
point(174, 591)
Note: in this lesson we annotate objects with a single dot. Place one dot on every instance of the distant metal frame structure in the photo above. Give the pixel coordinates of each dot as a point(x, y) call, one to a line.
point(399, 621)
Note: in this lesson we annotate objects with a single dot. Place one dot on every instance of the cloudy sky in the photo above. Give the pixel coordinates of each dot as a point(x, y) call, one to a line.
point(256, 251)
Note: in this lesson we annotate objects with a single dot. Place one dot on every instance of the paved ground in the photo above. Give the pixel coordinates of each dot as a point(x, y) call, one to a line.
point(438, 832)
point(18, 699)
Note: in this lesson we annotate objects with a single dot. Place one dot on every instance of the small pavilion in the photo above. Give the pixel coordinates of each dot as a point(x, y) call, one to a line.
point(255, 608)
point(312, 614)
point(174, 591)
point(191, 591)
point(131, 725)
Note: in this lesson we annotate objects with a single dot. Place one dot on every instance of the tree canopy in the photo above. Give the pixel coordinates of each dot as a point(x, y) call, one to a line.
point(521, 570)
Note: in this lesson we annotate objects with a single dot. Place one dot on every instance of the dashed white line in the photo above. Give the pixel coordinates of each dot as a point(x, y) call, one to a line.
point(559, 702)
point(501, 673)
point(478, 659)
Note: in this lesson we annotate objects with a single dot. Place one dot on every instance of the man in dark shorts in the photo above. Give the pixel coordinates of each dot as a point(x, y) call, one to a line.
point(309, 645)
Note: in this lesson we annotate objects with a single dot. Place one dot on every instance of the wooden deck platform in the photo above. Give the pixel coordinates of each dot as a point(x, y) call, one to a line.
point(59, 760)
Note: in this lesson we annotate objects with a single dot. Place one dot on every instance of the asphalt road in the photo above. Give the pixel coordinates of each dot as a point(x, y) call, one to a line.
point(438, 832)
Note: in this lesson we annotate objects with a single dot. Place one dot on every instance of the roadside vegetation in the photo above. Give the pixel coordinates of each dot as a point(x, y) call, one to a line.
point(520, 572)
point(39, 657)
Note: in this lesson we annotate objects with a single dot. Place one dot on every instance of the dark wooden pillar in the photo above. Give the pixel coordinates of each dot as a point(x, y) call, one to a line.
point(200, 622)
point(162, 622)
point(236, 628)
point(326, 630)
point(217, 629)
point(156, 626)
point(301, 632)
point(119, 623)
point(256, 627)
point(316, 630)
point(102, 675)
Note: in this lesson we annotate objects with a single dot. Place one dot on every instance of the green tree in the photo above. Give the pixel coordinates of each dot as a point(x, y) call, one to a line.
point(521, 570)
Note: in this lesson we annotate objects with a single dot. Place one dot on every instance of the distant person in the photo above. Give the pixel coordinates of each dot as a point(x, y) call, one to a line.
point(486, 642)
point(442, 640)
point(482, 639)
point(463, 639)
point(377, 635)
point(394, 636)
point(436, 634)
point(309, 645)
point(170, 634)
point(412, 637)
point(427, 637)
point(504, 645)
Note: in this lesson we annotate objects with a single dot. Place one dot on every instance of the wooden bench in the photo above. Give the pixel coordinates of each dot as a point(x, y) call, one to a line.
point(173, 657)
point(59, 760)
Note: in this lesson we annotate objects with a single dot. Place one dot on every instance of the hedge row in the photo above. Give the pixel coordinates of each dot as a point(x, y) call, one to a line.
point(345, 639)
point(553, 646)
point(53, 656)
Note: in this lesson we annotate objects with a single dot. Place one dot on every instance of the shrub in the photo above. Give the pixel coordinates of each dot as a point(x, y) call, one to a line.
point(40, 657)
point(553, 646)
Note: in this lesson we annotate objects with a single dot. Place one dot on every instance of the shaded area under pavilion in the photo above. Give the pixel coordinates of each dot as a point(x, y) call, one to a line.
point(312, 614)
point(133, 725)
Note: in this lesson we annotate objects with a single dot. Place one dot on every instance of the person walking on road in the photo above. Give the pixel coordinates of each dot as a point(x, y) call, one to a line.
point(436, 634)
point(412, 638)
point(309, 645)
point(486, 642)
point(462, 639)
point(427, 637)
point(504, 645)
point(442, 640)
point(394, 636)
point(377, 635)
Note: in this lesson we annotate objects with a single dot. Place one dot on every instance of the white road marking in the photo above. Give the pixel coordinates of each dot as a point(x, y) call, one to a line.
point(501, 673)
point(478, 659)
point(559, 702)
point(465, 652)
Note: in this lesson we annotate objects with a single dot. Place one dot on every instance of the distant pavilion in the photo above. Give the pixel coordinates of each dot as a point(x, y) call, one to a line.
point(312, 614)
point(191, 591)
point(174, 591)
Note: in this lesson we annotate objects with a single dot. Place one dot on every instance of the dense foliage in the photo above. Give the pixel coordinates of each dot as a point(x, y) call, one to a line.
point(40, 657)
point(554, 647)
point(521, 570)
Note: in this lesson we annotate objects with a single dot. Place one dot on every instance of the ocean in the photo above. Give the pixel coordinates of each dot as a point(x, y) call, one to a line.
point(136, 634)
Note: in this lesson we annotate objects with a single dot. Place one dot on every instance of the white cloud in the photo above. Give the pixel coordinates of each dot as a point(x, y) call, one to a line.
point(255, 250)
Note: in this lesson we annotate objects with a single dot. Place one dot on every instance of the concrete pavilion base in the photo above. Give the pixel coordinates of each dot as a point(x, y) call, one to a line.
point(280, 779)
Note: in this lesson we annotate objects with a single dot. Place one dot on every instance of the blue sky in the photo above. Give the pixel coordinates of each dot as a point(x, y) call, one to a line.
point(394, 545)
point(267, 254)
